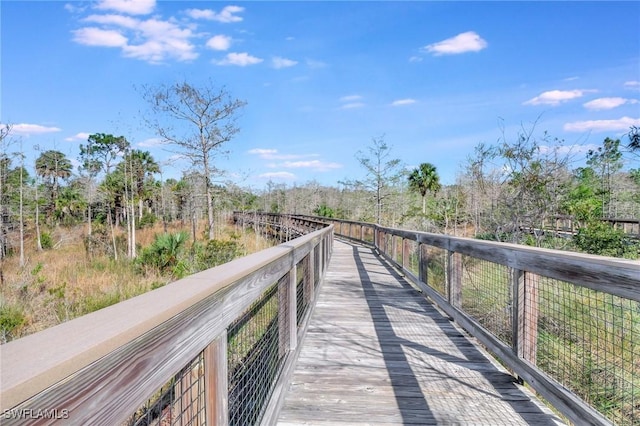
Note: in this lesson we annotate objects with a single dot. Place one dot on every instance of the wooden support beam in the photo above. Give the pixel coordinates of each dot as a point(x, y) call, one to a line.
point(216, 381)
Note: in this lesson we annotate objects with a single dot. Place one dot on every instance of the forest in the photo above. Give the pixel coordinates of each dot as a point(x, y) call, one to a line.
point(76, 240)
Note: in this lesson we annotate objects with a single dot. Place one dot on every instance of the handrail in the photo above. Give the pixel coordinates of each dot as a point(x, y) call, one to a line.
point(553, 317)
point(102, 367)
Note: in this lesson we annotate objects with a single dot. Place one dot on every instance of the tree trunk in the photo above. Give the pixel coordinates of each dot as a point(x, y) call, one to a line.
point(113, 232)
point(38, 236)
point(22, 261)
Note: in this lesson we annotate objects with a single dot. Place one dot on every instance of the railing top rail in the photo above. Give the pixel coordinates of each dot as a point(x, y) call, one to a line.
point(620, 277)
point(30, 365)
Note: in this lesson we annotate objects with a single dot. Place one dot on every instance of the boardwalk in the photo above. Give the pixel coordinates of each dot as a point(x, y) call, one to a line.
point(377, 352)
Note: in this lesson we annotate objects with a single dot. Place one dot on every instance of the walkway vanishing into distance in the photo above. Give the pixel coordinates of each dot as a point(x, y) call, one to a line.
point(378, 352)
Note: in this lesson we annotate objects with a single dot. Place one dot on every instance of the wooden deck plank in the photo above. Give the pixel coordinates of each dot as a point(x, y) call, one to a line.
point(378, 353)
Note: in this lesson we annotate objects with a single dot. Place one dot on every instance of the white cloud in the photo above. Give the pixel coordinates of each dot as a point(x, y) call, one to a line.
point(278, 175)
point(632, 85)
point(262, 151)
point(31, 129)
point(400, 102)
point(92, 36)
point(608, 103)
point(350, 98)
point(415, 59)
point(316, 165)
point(352, 105)
point(556, 97)
point(278, 62)
point(313, 64)
point(462, 43)
point(155, 40)
point(78, 137)
point(219, 42)
point(620, 124)
point(272, 154)
point(151, 142)
point(132, 7)
point(117, 20)
point(239, 59)
point(164, 40)
point(226, 15)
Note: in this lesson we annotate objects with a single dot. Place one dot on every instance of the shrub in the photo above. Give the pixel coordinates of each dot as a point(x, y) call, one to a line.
point(12, 319)
point(147, 221)
point(601, 238)
point(164, 253)
point(217, 252)
point(46, 241)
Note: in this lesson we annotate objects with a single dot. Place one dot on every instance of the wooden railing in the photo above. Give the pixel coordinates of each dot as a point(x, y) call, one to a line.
point(569, 225)
point(567, 324)
point(181, 354)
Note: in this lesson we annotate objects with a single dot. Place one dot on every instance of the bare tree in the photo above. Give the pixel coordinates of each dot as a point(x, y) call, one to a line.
point(382, 173)
point(197, 121)
point(5, 131)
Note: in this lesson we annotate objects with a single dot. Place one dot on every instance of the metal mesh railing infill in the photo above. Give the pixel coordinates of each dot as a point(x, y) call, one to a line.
point(589, 341)
point(255, 357)
point(181, 401)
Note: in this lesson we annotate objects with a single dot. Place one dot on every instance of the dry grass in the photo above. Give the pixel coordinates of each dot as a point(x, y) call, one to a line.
point(62, 283)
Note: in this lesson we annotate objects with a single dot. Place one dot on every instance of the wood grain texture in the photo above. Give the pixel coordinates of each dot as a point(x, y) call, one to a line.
point(619, 277)
point(102, 366)
point(376, 352)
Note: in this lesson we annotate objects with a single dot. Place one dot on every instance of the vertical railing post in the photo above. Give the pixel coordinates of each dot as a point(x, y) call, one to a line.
point(310, 282)
point(526, 317)
point(291, 307)
point(216, 381)
point(423, 265)
point(393, 248)
point(406, 256)
point(454, 268)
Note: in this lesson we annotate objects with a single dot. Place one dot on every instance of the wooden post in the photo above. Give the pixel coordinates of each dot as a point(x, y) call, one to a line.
point(423, 259)
point(406, 255)
point(216, 382)
point(527, 317)
point(393, 248)
point(454, 268)
point(284, 316)
point(309, 282)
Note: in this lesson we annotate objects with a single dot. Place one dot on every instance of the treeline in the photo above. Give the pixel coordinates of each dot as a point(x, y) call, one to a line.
point(509, 191)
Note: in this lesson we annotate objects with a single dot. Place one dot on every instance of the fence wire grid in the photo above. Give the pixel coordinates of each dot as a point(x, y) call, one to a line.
point(256, 352)
point(179, 402)
point(589, 341)
point(486, 296)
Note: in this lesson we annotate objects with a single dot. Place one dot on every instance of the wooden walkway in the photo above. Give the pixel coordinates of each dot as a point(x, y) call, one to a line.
point(377, 352)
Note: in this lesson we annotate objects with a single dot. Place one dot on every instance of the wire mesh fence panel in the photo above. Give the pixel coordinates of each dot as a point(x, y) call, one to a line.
point(302, 303)
point(486, 296)
point(412, 263)
point(367, 234)
point(181, 401)
point(436, 269)
point(589, 341)
point(254, 358)
point(397, 249)
point(388, 244)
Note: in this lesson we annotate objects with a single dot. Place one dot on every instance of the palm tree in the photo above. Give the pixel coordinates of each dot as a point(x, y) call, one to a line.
point(142, 167)
point(424, 179)
point(52, 166)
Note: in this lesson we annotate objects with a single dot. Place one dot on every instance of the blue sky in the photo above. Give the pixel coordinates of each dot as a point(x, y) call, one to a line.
point(321, 79)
